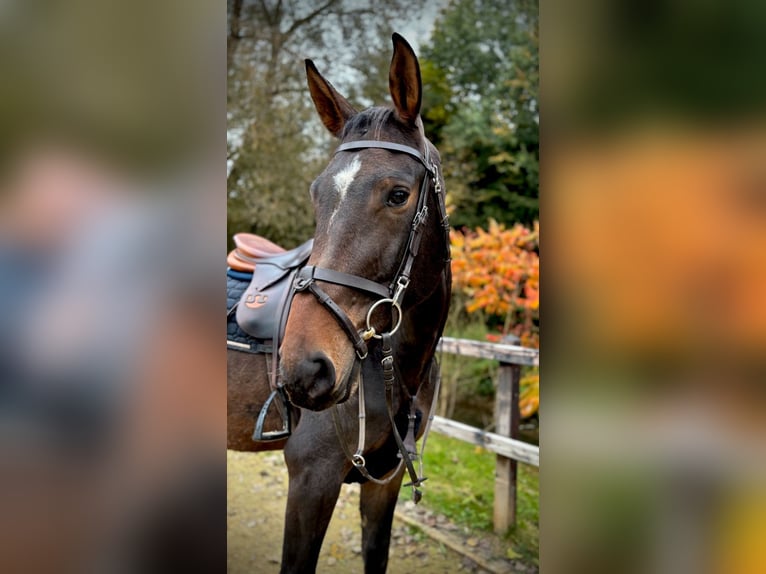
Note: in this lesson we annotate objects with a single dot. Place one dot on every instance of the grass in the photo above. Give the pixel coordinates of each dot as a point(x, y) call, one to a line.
point(462, 482)
point(462, 488)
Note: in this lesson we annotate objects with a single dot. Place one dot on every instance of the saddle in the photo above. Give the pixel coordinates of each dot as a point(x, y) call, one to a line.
point(249, 248)
point(261, 310)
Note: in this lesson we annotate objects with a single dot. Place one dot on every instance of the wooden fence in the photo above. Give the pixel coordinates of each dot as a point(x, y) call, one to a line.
point(504, 441)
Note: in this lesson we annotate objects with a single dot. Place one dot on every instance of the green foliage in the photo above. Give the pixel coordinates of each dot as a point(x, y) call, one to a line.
point(437, 109)
point(480, 74)
point(462, 488)
point(268, 196)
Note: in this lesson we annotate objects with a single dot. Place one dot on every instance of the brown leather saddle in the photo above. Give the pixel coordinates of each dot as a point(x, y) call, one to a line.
point(259, 310)
point(249, 249)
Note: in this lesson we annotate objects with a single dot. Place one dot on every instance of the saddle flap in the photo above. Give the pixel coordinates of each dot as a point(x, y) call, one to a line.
point(260, 308)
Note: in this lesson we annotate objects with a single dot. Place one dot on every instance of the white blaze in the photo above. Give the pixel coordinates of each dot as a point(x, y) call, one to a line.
point(343, 180)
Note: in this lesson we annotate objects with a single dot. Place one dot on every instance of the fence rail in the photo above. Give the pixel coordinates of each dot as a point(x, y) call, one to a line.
point(504, 441)
point(507, 447)
point(511, 354)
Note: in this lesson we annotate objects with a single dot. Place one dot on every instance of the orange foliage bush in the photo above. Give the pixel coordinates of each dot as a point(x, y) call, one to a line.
point(498, 270)
point(529, 395)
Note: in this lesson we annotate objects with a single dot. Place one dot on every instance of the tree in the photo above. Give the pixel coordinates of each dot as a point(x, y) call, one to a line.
point(481, 107)
point(276, 145)
point(498, 273)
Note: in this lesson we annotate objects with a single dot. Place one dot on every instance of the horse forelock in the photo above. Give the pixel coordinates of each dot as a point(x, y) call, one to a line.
point(381, 123)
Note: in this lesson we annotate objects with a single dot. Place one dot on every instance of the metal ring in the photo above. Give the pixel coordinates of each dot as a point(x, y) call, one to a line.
point(358, 461)
point(394, 305)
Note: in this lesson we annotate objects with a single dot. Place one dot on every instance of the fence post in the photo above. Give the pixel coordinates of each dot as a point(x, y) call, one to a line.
point(507, 424)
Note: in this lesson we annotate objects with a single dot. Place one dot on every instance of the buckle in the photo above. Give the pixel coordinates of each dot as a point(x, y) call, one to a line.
point(420, 217)
point(401, 286)
point(301, 283)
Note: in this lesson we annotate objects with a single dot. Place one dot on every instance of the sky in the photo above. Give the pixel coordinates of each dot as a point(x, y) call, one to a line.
point(418, 29)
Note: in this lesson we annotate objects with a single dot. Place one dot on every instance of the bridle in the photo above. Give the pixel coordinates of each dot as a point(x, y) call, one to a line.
point(392, 293)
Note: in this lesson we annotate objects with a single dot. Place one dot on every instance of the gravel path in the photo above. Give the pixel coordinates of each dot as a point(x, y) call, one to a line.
point(421, 541)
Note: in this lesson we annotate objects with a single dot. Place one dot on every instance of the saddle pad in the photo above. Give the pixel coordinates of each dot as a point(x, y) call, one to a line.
point(237, 339)
point(236, 283)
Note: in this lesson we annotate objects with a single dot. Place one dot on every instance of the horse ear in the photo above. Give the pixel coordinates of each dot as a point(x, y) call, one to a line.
point(333, 109)
point(404, 80)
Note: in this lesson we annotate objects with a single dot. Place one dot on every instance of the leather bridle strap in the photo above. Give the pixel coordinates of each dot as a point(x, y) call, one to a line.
point(421, 214)
point(306, 279)
point(308, 276)
point(340, 316)
point(357, 458)
point(309, 273)
point(393, 293)
point(365, 144)
point(388, 380)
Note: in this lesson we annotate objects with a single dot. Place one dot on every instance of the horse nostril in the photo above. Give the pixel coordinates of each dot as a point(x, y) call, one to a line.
point(316, 365)
point(314, 376)
point(324, 368)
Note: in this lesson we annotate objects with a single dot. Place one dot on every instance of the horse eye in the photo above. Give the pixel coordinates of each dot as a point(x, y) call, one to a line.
point(398, 197)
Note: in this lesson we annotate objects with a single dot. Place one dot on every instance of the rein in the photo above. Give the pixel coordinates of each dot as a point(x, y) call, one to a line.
point(405, 456)
point(393, 294)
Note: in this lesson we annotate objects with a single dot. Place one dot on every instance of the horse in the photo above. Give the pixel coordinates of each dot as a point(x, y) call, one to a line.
point(357, 355)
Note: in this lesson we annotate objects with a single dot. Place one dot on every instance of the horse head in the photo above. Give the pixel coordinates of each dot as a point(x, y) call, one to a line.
point(380, 241)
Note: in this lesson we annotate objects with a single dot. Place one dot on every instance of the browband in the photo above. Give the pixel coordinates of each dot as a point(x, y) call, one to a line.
point(363, 144)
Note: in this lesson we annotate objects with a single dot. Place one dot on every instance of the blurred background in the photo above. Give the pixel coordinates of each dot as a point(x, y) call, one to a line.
point(112, 235)
point(654, 180)
point(112, 397)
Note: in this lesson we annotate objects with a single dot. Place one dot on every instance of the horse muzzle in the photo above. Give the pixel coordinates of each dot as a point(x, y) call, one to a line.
point(317, 358)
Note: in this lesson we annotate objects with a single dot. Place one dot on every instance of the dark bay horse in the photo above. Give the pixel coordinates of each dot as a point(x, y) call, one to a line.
point(368, 310)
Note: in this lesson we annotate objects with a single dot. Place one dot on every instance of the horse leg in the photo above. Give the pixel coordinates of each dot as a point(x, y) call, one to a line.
point(312, 493)
point(377, 504)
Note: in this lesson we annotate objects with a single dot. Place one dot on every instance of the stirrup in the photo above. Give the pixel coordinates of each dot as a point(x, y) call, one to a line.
point(285, 431)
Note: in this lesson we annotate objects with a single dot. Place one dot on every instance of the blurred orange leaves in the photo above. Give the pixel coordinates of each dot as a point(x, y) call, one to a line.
point(661, 241)
point(529, 395)
point(498, 270)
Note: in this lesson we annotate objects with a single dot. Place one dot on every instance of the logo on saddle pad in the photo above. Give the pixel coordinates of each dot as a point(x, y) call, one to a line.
point(256, 301)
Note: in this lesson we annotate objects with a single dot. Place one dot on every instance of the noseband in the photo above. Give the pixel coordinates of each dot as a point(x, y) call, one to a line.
point(393, 293)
